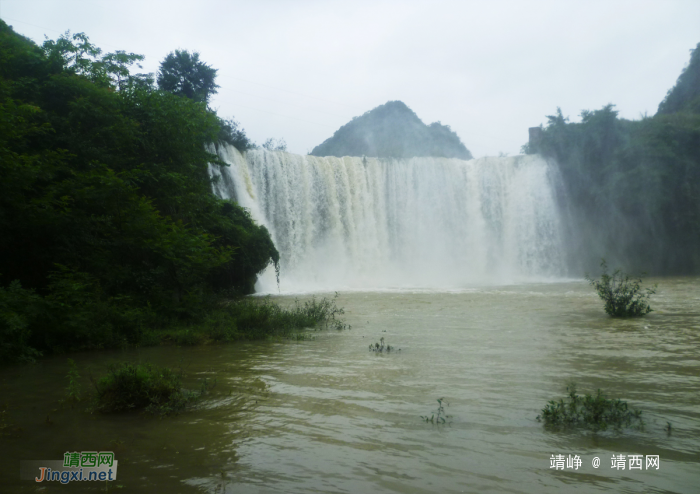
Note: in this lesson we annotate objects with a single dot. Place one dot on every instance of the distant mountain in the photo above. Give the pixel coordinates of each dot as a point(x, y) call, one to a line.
point(685, 95)
point(393, 130)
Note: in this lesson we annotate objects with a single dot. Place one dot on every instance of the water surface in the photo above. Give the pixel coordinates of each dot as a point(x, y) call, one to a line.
point(329, 416)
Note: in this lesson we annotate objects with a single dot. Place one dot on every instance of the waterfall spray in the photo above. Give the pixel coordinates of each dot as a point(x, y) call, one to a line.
point(368, 223)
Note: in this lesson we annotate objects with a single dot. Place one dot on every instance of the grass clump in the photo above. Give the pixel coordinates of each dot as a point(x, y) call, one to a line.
point(595, 412)
point(153, 389)
point(380, 347)
point(253, 319)
point(623, 295)
point(439, 416)
point(258, 319)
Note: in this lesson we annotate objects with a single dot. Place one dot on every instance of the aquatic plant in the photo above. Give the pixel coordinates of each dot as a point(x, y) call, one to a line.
point(73, 389)
point(380, 347)
point(595, 412)
point(259, 319)
point(439, 416)
point(303, 336)
point(253, 319)
point(623, 295)
point(146, 387)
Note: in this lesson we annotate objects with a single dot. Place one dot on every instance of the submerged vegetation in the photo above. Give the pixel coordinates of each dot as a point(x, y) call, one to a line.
point(143, 387)
point(380, 347)
point(250, 319)
point(623, 296)
point(439, 416)
point(595, 412)
point(256, 319)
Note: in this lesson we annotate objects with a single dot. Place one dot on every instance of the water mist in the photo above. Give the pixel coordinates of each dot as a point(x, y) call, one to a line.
point(367, 223)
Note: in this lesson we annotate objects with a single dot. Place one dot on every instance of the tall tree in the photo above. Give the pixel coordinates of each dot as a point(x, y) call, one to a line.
point(184, 74)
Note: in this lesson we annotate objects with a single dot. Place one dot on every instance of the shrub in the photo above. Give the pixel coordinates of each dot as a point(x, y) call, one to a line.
point(596, 412)
point(259, 319)
point(145, 387)
point(380, 347)
point(19, 308)
point(623, 296)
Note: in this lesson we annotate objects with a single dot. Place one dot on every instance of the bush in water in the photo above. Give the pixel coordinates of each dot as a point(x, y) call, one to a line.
point(145, 387)
point(623, 296)
point(596, 412)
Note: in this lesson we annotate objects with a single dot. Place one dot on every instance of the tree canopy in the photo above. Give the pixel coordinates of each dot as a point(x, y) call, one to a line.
point(631, 189)
point(184, 74)
point(685, 95)
point(108, 223)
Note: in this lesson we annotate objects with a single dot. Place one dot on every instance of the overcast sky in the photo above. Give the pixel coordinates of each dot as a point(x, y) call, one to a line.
point(299, 70)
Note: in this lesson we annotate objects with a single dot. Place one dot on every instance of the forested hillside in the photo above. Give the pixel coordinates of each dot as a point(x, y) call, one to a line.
point(632, 188)
point(108, 224)
point(393, 130)
point(685, 95)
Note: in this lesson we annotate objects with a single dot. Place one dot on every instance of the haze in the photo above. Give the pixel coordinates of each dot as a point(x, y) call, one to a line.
point(300, 70)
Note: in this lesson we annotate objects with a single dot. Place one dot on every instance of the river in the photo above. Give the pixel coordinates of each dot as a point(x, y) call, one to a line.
point(326, 415)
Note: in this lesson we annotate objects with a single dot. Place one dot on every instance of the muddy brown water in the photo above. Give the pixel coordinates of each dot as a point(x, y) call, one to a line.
point(327, 415)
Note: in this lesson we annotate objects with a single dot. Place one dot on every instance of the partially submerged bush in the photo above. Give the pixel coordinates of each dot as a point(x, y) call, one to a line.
point(145, 387)
point(439, 416)
point(380, 347)
point(259, 319)
point(596, 412)
point(623, 296)
point(250, 319)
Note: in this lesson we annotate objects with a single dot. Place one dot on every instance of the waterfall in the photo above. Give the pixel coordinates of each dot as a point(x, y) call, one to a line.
point(368, 223)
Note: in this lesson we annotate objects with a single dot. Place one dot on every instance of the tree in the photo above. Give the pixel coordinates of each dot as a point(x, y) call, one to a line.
point(185, 74)
point(108, 222)
point(233, 134)
point(275, 144)
point(117, 64)
point(75, 54)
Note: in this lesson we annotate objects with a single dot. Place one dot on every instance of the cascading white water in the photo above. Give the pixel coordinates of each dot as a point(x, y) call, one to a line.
point(367, 223)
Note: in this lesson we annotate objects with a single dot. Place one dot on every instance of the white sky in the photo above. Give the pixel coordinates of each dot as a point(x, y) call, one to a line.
point(298, 70)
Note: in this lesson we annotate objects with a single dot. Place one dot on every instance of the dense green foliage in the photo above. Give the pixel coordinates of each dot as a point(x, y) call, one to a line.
point(233, 134)
point(393, 130)
point(685, 95)
point(595, 412)
point(108, 224)
point(248, 318)
point(623, 296)
point(632, 188)
point(142, 387)
point(184, 74)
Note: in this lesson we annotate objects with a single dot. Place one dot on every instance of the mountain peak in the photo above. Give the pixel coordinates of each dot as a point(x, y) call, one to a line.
point(393, 130)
